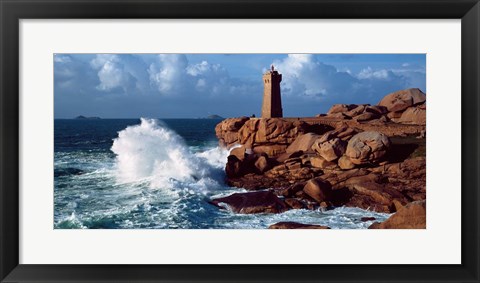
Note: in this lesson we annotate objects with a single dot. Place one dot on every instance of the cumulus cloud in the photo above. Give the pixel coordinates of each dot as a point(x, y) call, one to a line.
point(166, 73)
point(369, 73)
point(112, 74)
point(305, 76)
point(172, 74)
point(165, 82)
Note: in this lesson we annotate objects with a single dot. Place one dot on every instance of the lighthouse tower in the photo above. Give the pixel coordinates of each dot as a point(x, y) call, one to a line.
point(272, 101)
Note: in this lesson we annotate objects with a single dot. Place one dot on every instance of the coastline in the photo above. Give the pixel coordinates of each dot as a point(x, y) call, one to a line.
point(370, 157)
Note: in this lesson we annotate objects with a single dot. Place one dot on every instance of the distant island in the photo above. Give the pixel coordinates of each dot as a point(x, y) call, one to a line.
point(81, 117)
point(214, 117)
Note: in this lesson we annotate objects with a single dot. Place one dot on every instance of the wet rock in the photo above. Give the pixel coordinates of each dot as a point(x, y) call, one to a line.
point(252, 202)
point(239, 152)
point(295, 225)
point(318, 189)
point(294, 203)
point(234, 167)
point(412, 216)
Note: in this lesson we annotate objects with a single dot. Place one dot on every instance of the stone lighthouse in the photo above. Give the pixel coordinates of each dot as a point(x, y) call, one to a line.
point(272, 101)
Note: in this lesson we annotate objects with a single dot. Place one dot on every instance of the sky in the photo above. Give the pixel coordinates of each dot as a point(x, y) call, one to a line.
point(229, 85)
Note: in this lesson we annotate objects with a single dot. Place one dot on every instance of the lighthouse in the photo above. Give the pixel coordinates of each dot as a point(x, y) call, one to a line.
point(272, 101)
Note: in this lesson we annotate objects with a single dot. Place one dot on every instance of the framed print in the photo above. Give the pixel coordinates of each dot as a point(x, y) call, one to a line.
point(237, 142)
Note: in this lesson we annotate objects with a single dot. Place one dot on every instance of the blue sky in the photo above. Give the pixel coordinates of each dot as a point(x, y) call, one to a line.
point(198, 85)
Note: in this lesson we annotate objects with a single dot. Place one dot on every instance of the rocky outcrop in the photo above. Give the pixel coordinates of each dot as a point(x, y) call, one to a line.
point(412, 216)
point(307, 163)
point(295, 225)
point(227, 130)
point(252, 202)
point(409, 103)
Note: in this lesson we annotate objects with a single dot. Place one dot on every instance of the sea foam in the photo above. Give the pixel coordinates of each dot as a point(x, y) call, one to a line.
point(151, 151)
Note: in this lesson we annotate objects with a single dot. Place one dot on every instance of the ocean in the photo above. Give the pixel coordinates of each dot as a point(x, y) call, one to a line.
point(157, 174)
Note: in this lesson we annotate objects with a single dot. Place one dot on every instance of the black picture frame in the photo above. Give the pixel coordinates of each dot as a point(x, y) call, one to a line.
point(14, 10)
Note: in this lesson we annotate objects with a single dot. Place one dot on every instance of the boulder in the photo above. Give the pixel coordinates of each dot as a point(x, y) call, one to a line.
point(367, 147)
point(356, 111)
point(401, 100)
point(411, 216)
point(366, 116)
point(294, 203)
point(345, 163)
point(374, 191)
point(318, 189)
point(340, 108)
point(331, 149)
point(291, 190)
point(252, 202)
point(376, 109)
point(295, 225)
point(413, 115)
point(320, 162)
point(302, 143)
point(346, 133)
point(326, 137)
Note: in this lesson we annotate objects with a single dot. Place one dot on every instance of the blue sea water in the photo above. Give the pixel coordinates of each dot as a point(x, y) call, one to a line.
point(156, 174)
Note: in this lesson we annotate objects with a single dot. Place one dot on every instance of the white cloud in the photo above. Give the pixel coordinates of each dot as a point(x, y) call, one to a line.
point(167, 72)
point(308, 84)
point(111, 73)
point(369, 73)
point(58, 58)
point(304, 75)
point(173, 75)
